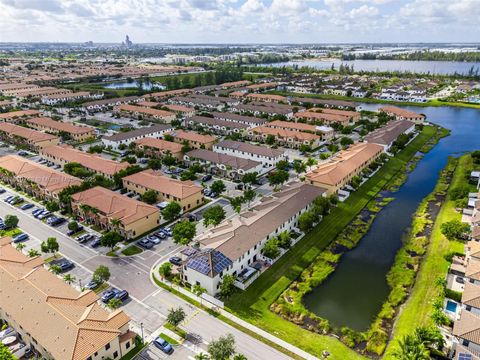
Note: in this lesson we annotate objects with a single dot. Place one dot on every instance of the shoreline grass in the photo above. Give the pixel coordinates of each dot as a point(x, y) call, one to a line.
point(418, 308)
point(253, 305)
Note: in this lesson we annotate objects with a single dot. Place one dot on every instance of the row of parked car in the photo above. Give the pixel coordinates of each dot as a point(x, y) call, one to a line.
point(155, 238)
point(93, 239)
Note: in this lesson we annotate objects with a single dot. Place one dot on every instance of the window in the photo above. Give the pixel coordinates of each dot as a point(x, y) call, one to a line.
point(115, 354)
point(89, 358)
point(107, 346)
point(96, 353)
point(127, 345)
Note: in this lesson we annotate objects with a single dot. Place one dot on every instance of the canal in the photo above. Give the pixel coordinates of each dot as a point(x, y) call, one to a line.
point(353, 295)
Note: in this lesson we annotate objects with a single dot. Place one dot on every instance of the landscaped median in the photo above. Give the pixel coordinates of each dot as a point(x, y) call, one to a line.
point(254, 304)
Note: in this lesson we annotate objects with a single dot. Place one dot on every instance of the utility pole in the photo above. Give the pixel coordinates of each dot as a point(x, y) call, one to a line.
point(141, 327)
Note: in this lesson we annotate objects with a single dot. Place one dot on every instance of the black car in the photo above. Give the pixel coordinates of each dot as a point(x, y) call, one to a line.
point(95, 243)
point(2, 190)
point(145, 244)
point(108, 295)
point(207, 177)
point(66, 265)
point(57, 221)
point(175, 260)
point(72, 232)
point(121, 295)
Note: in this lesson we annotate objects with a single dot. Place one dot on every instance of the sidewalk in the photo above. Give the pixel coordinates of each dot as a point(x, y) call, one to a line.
point(238, 321)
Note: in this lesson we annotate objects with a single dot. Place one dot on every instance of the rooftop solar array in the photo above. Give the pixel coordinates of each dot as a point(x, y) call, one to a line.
point(207, 260)
point(465, 356)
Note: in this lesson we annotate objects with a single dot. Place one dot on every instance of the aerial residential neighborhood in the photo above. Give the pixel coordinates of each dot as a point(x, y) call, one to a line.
point(232, 180)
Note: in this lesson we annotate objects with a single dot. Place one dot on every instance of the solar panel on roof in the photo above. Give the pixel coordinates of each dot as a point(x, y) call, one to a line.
point(465, 356)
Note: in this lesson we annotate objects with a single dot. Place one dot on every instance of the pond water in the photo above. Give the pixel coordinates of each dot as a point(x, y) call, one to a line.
point(135, 84)
point(353, 295)
point(433, 67)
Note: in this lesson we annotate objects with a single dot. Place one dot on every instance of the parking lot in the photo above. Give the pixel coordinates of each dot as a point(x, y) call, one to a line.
point(181, 352)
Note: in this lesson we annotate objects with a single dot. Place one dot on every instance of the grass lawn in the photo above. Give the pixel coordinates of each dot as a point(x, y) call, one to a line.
point(168, 338)
point(253, 304)
point(132, 250)
point(101, 288)
point(435, 103)
point(417, 309)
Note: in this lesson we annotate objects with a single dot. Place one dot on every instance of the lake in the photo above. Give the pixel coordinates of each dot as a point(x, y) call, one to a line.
point(135, 84)
point(433, 67)
point(353, 295)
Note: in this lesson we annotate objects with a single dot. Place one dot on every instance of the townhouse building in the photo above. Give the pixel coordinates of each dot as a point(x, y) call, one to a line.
point(63, 98)
point(236, 244)
point(267, 156)
point(64, 154)
point(224, 165)
point(37, 180)
point(250, 121)
point(109, 104)
point(22, 136)
point(263, 109)
point(339, 170)
point(18, 115)
point(145, 113)
point(283, 137)
point(266, 97)
point(185, 193)
point(158, 148)
point(54, 318)
point(386, 135)
point(193, 139)
point(126, 138)
point(402, 114)
point(112, 211)
point(214, 125)
point(325, 132)
point(75, 132)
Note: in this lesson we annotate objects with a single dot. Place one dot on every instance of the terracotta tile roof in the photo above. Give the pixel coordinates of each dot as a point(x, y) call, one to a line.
point(179, 108)
point(90, 161)
point(239, 118)
point(164, 184)
point(292, 125)
point(234, 84)
point(467, 327)
point(160, 144)
point(471, 294)
point(114, 205)
point(266, 97)
point(60, 125)
point(32, 136)
point(284, 133)
point(19, 113)
point(473, 269)
point(401, 112)
point(217, 122)
point(144, 110)
point(38, 300)
point(262, 86)
point(170, 93)
point(45, 177)
point(342, 165)
point(192, 136)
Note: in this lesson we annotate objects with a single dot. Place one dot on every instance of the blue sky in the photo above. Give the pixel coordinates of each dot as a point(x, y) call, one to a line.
point(241, 21)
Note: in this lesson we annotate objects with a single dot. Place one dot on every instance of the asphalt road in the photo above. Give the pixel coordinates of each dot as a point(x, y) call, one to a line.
point(149, 305)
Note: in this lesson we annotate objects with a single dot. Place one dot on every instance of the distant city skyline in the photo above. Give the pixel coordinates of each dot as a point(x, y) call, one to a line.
point(240, 21)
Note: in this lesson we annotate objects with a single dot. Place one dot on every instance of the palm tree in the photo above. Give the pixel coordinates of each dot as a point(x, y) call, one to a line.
point(20, 246)
point(69, 278)
point(115, 223)
point(55, 269)
point(199, 290)
point(411, 348)
point(239, 357)
point(201, 356)
point(33, 253)
point(114, 303)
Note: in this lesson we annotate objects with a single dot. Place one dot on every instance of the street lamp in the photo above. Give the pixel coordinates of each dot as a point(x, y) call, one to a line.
point(141, 327)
